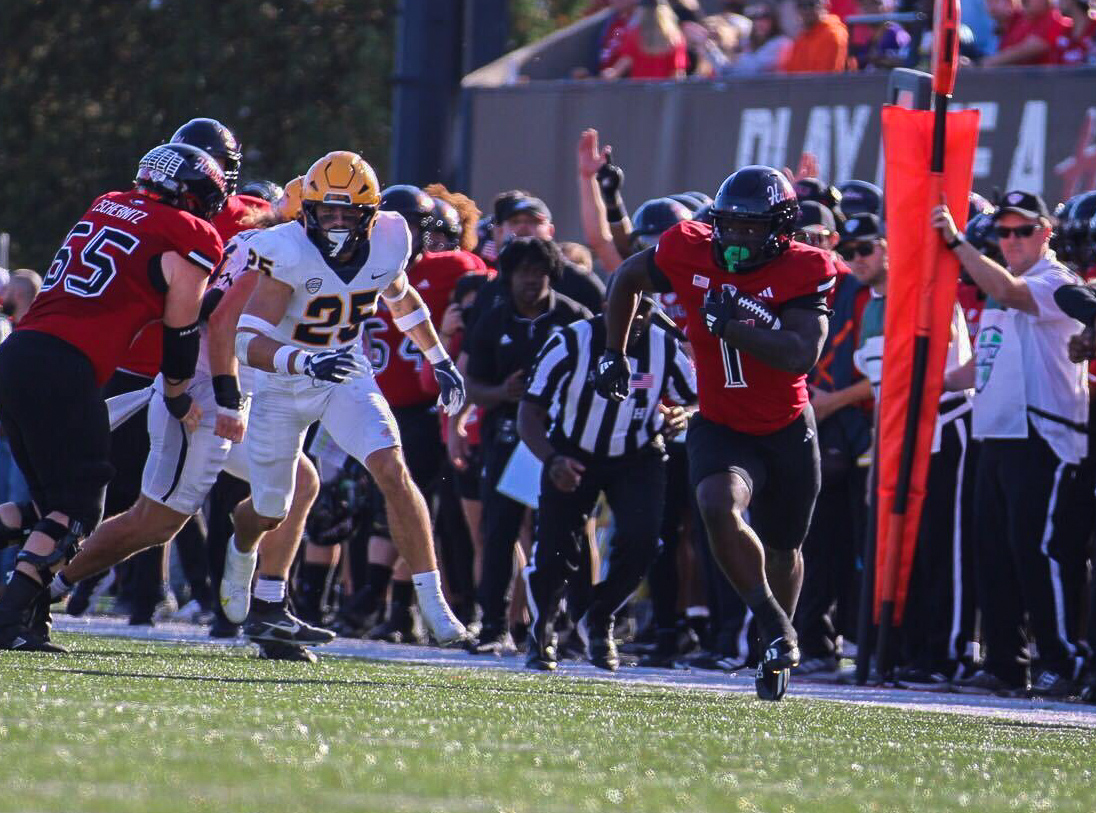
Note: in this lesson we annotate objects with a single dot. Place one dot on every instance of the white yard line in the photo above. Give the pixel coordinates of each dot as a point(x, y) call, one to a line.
point(1031, 712)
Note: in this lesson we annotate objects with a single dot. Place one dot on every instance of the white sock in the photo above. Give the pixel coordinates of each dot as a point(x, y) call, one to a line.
point(427, 584)
point(59, 587)
point(234, 557)
point(270, 589)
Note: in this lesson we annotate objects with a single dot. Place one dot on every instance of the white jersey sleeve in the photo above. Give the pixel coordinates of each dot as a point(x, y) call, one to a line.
point(391, 239)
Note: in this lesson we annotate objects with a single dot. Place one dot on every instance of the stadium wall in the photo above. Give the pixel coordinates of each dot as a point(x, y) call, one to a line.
point(1038, 132)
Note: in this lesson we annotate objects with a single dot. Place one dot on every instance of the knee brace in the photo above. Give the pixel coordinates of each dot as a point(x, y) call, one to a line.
point(66, 545)
point(28, 516)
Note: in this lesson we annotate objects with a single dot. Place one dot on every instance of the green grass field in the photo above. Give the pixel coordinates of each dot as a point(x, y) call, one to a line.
point(124, 726)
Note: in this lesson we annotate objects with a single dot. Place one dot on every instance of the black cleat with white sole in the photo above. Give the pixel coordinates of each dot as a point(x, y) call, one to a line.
point(774, 671)
point(17, 638)
point(272, 621)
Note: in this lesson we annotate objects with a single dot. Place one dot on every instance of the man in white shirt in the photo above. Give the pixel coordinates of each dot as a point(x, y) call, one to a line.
point(1031, 412)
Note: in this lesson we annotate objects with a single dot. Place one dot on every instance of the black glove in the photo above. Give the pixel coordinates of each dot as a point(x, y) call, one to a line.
point(451, 383)
point(610, 178)
point(333, 365)
point(730, 305)
point(613, 376)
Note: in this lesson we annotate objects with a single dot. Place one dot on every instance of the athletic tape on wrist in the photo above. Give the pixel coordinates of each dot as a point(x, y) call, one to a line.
point(436, 354)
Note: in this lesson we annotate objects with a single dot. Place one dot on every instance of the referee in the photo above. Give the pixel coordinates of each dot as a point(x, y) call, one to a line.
point(592, 445)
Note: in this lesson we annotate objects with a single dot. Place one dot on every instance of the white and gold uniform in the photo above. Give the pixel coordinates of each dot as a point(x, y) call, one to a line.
point(182, 466)
point(325, 312)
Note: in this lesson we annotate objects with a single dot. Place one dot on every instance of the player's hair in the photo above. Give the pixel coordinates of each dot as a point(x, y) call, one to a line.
point(258, 217)
point(533, 251)
point(658, 27)
point(466, 208)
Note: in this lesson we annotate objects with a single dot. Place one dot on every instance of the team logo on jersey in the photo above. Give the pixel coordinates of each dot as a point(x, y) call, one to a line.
point(990, 340)
point(313, 285)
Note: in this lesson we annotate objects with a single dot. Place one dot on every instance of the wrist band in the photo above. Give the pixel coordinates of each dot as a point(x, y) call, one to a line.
point(959, 240)
point(282, 361)
point(226, 392)
point(614, 213)
point(436, 354)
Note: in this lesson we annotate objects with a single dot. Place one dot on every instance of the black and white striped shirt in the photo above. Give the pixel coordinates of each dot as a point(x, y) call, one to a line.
point(563, 383)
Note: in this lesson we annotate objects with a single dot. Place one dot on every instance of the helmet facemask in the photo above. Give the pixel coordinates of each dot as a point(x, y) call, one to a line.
point(344, 239)
point(742, 243)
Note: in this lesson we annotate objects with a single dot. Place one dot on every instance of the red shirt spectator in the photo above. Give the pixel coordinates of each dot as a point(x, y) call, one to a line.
point(1028, 39)
point(653, 46)
point(1077, 46)
point(612, 34)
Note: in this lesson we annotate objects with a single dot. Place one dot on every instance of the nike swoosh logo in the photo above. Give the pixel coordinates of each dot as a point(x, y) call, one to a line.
point(281, 625)
point(378, 276)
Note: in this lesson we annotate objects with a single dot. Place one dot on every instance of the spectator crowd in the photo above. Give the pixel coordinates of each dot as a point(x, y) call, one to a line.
point(1001, 594)
point(671, 39)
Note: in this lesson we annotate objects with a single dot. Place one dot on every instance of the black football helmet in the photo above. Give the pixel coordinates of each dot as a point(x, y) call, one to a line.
point(704, 200)
point(654, 217)
point(981, 234)
point(444, 231)
point(977, 205)
point(216, 139)
point(686, 200)
point(1074, 239)
point(267, 190)
point(184, 177)
point(416, 207)
point(753, 217)
point(860, 197)
point(813, 189)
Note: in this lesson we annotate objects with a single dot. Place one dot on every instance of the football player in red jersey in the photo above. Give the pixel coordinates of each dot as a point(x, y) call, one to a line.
point(756, 305)
point(134, 257)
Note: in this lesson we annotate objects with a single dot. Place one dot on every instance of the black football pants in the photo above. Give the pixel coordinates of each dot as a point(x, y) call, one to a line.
point(635, 488)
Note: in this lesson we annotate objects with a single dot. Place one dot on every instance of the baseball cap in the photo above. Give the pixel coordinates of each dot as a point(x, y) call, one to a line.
point(1025, 204)
point(529, 205)
point(864, 226)
point(813, 213)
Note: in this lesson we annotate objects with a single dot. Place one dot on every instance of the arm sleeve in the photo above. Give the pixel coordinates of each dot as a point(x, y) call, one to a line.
point(553, 367)
point(1078, 301)
point(681, 384)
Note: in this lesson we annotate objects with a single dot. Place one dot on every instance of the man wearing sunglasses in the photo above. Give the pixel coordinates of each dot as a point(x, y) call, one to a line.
point(1031, 411)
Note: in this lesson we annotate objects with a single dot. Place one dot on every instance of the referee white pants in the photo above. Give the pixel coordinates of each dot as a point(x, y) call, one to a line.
point(354, 413)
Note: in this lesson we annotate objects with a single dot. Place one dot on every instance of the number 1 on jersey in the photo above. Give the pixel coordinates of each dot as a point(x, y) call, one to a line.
point(732, 366)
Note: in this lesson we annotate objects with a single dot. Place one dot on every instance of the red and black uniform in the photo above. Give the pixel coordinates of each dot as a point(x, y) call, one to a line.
point(103, 287)
point(398, 365)
point(754, 419)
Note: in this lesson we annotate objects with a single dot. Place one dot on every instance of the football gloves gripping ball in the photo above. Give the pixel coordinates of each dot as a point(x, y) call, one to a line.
point(732, 305)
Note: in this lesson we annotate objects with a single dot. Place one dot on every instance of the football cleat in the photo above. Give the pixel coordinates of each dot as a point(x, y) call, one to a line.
point(236, 582)
point(601, 645)
point(440, 621)
point(774, 671)
point(18, 638)
point(274, 622)
point(270, 651)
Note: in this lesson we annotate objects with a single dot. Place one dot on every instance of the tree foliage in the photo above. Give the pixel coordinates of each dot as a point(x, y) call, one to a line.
point(88, 86)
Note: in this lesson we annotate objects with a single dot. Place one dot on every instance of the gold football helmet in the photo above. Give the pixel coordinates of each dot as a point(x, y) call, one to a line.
point(288, 206)
point(341, 179)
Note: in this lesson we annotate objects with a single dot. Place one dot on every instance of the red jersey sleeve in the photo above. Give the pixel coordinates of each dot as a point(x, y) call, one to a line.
point(196, 240)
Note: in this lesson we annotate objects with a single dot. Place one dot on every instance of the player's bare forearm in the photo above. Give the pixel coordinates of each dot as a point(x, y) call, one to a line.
point(795, 348)
point(621, 234)
point(483, 394)
point(423, 334)
point(997, 282)
point(186, 284)
point(533, 429)
point(267, 304)
point(629, 282)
